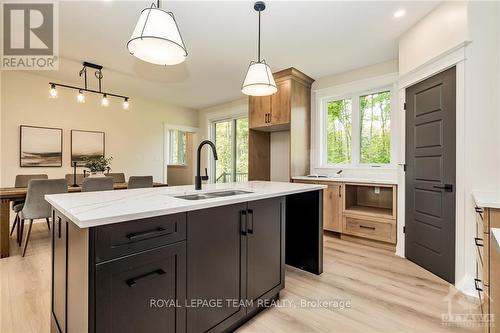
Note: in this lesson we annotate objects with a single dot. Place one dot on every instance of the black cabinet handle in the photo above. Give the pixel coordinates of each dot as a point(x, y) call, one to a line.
point(365, 227)
point(478, 241)
point(445, 187)
point(133, 281)
point(243, 222)
point(147, 234)
point(478, 210)
point(58, 227)
point(476, 285)
point(250, 221)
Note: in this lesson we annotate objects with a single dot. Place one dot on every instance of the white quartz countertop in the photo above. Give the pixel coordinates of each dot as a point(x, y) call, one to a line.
point(90, 209)
point(348, 180)
point(485, 199)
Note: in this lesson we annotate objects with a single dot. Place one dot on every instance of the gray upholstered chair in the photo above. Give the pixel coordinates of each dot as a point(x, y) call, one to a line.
point(140, 181)
point(69, 178)
point(35, 206)
point(118, 177)
point(22, 181)
point(91, 184)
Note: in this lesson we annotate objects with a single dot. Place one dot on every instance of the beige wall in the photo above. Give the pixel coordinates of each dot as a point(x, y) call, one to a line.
point(134, 138)
point(443, 29)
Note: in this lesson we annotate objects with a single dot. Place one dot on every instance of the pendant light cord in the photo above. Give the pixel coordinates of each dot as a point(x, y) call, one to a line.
point(258, 54)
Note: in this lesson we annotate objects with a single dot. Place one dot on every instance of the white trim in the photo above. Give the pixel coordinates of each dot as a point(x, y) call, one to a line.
point(166, 128)
point(455, 57)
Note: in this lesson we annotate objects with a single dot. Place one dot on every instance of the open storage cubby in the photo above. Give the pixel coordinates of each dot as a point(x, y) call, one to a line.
point(370, 199)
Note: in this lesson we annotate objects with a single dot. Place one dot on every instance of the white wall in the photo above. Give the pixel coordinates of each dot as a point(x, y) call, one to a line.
point(134, 138)
point(357, 80)
point(441, 30)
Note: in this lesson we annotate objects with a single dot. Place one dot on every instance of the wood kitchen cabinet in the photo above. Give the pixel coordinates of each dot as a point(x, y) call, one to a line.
point(260, 109)
point(332, 206)
point(59, 233)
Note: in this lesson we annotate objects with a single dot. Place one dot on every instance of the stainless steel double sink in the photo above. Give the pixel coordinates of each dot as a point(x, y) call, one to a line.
point(211, 195)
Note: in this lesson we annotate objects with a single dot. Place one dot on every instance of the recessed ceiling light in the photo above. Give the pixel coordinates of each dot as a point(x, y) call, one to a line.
point(399, 13)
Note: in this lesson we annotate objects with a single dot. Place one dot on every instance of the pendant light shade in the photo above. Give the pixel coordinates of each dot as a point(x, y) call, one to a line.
point(157, 39)
point(259, 80)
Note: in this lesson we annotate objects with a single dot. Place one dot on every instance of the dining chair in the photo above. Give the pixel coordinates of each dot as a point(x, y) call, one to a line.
point(118, 177)
point(22, 181)
point(35, 206)
point(140, 181)
point(69, 178)
point(92, 184)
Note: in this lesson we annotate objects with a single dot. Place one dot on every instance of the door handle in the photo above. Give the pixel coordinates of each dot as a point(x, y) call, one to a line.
point(133, 281)
point(250, 221)
point(445, 187)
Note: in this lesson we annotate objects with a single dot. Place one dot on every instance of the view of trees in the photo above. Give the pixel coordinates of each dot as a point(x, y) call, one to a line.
point(375, 114)
point(177, 140)
point(339, 126)
point(224, 141)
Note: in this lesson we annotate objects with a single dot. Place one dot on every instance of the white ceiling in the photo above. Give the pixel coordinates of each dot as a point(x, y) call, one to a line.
point(319, 38)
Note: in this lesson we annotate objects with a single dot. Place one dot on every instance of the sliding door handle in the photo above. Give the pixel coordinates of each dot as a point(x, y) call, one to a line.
point(445, 187)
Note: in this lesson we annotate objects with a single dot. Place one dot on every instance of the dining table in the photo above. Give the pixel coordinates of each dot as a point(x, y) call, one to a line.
point(8, 194)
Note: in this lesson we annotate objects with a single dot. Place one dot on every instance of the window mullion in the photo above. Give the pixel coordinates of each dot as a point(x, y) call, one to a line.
point(356, 131)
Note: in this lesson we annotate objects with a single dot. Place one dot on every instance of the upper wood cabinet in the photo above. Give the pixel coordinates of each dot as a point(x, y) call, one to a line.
point(274, 112)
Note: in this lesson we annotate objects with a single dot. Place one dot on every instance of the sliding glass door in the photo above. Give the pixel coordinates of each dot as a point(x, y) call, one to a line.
point(231, 139)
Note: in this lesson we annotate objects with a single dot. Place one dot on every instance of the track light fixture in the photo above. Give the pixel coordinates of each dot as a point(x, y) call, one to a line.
point(80, 98)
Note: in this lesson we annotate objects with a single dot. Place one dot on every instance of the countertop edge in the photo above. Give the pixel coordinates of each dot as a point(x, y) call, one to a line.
point(349, 180)
point(486, 199)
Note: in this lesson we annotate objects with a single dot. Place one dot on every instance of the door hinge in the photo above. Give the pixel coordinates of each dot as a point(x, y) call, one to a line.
point(404, 106)
point(404, 230)
point(404, 167)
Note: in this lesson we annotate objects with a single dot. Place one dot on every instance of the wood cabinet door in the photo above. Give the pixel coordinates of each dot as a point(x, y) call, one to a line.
point(59, 235)
point(216, 269)
point(332, 207)
point(264, 246)
point(281, 103)
point(144, 292)
point(259, 111)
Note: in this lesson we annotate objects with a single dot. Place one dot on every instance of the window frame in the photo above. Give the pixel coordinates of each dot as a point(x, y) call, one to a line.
point(354, 96)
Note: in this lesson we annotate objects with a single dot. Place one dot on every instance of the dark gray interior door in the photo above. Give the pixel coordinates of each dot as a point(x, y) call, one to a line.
point(430, 174)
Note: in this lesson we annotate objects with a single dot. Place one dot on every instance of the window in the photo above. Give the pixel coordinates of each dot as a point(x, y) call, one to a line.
point(231, 140)
point(358, 129)
point(375, 120)
point(177, 147)
point(339, 114)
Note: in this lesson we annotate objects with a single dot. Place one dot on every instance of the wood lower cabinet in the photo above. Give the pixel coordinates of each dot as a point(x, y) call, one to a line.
point(332, 207)
point(59, 268)
point(128, 292)
point(487, 280)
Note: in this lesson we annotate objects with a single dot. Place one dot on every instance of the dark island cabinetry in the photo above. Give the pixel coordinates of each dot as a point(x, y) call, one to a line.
point(199, 271)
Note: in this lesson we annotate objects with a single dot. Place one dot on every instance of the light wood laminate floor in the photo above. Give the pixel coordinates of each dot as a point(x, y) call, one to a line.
point(386, 293)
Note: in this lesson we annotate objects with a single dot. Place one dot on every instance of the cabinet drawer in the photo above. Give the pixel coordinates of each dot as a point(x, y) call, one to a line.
point(377, 229)
point(116, 240)
point(144, 292)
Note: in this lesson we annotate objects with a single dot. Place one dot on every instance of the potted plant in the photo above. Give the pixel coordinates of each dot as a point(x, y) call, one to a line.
point(97, 165)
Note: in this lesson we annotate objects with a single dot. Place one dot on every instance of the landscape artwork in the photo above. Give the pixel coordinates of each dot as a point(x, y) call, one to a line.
point(40, 147)
point(86, 144)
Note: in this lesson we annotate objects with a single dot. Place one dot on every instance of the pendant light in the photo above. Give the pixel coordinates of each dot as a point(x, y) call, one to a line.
point(259, 80)
point(156, 38)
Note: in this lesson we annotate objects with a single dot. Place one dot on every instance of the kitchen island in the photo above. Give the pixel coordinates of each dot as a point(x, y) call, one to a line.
point(178, 260)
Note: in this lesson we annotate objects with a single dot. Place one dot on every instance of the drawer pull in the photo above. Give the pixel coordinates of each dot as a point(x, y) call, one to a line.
point(480, 211)
point(143, 235)
point(132, 282)
point(250, 221)
point(478, 241)
point(476, 285)
point(365, 227)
